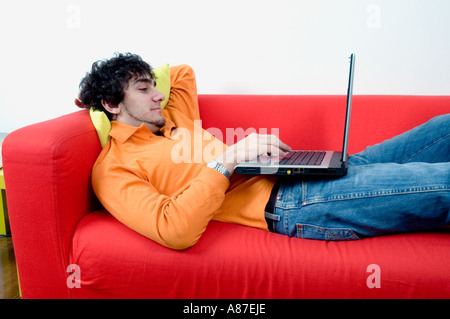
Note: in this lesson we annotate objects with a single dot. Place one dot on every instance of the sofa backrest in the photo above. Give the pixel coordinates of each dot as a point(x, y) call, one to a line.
point(317, 121)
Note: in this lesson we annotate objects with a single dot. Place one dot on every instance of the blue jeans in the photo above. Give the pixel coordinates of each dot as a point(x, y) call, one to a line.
point(400, 185)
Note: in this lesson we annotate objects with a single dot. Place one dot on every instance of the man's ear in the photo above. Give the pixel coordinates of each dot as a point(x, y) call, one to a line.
point(111, 108)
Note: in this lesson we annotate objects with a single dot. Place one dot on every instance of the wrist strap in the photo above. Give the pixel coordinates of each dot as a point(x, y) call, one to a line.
point(220, 168)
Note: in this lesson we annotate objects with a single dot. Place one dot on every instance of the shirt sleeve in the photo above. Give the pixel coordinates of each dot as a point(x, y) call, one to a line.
point(176, 222)
point(183, 93)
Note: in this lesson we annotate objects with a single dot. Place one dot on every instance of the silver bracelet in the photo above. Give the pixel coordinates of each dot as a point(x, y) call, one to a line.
point(220, 168)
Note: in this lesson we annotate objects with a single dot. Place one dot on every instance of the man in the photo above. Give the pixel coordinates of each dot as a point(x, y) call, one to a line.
point(397, 186)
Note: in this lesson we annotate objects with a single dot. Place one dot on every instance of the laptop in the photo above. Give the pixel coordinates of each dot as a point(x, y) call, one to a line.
point(306, 163)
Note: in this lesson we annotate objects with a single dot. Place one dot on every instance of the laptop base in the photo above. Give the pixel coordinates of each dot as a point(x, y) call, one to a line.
point(335, 169)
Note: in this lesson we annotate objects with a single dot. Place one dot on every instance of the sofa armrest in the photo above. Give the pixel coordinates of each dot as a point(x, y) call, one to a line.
point(47, 168)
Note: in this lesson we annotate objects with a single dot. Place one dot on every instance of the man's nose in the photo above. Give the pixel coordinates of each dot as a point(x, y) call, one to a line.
point(158, 96)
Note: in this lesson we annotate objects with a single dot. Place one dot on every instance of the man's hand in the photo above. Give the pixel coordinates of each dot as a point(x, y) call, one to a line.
point(250, 148)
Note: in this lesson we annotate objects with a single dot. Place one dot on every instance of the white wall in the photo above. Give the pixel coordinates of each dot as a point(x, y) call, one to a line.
point(235, 46)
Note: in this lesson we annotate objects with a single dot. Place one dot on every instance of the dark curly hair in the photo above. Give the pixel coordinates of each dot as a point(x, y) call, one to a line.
point(109, 78)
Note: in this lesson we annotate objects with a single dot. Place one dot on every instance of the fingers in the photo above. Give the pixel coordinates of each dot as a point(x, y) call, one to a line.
point(253, 146)
point(256, 145)
point(275, 151)
point(273, 145)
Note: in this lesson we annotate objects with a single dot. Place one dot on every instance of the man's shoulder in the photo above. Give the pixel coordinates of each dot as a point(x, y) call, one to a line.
point(103, 157)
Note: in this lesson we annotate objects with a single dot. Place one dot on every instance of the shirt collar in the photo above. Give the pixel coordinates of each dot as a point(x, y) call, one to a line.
point(122, 132)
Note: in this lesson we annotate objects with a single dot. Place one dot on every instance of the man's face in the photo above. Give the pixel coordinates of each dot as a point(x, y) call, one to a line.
point(142, 104)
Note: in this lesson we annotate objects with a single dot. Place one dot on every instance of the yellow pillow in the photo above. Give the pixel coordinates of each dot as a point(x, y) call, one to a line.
point(163, 82)
point(102, 125)
point(100, 120)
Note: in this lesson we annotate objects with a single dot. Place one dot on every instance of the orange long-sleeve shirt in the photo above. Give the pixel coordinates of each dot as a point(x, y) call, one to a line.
point(159, 185)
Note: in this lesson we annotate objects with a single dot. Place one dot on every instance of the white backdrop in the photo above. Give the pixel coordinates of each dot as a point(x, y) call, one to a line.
point(235, 47)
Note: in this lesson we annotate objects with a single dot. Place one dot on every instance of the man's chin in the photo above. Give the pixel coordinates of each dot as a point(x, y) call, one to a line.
point(159, 123)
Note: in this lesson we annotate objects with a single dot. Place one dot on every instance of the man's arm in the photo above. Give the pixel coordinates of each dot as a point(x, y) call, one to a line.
point(172, 221)
point(183, 93)
point(183, 99)
point(250, 148)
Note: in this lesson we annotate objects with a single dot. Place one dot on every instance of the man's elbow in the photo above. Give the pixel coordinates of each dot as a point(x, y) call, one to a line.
point(180, 234)
point(179, 243)
point(181, 240)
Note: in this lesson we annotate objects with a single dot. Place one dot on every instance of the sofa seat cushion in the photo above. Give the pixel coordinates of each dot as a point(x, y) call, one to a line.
point(233, 261)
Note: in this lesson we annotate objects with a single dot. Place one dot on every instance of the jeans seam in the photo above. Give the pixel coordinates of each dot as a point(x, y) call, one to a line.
point(376, 194)
point(304, 192)
point(285, 219)
point(425, 148)
point(331, 231)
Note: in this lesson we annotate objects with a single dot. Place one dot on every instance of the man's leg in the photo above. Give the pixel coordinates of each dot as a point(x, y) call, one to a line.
point(389, 188)
point(372, 200)
point(429, 142)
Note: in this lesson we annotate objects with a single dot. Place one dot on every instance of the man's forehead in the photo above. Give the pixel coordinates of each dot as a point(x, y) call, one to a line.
point(143, 78)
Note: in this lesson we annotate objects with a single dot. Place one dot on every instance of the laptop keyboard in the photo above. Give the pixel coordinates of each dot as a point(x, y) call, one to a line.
point(303, 158)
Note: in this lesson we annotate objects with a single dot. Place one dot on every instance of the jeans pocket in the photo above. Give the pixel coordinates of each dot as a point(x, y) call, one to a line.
point(307, 231)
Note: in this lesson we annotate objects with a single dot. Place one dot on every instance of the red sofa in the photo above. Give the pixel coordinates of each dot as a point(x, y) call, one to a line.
point(56, 220)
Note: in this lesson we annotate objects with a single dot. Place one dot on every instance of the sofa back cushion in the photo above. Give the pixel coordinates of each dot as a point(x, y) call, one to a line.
point(317, 121)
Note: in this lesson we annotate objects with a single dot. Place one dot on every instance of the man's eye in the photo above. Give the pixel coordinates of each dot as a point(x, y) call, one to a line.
point(143, 89)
